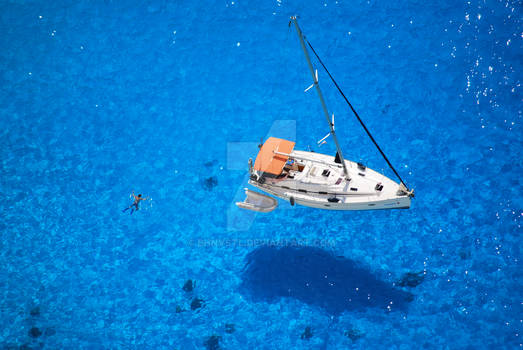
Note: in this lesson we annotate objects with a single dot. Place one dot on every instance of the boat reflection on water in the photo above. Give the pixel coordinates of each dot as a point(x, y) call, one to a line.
point(317, 277)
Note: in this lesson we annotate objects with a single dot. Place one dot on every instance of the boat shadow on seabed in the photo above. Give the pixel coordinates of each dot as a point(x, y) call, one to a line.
point(317, 277)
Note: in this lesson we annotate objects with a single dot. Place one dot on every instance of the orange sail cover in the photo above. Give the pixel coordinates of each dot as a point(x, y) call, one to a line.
point(269, 162)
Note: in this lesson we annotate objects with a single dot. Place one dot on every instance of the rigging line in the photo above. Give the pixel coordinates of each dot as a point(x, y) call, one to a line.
point(356, 114)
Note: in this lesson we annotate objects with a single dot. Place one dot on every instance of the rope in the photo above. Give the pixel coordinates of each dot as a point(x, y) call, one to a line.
point(356, 114)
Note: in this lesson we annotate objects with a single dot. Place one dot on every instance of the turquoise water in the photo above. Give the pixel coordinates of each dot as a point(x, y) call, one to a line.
point(170, 100)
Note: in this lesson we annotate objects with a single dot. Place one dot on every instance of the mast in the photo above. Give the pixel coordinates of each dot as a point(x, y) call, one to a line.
point(403, 187)
point(323, 105)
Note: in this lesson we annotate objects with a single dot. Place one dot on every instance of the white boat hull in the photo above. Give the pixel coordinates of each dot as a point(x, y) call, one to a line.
point(323, 203)
point(311, 188)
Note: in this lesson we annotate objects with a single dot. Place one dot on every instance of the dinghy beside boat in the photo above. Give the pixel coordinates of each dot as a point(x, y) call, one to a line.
point(256, 201)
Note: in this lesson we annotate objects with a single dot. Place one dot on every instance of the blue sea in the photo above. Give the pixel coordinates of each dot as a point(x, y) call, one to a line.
point(169, 99)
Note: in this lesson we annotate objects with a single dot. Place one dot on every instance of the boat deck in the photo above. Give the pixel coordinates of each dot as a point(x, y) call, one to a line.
point(321, 183)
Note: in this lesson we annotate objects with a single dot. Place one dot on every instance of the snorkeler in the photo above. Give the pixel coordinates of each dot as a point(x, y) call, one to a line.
point(134, 207)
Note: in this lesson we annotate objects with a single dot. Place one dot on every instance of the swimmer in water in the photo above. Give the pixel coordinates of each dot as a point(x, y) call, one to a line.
point(134, 207)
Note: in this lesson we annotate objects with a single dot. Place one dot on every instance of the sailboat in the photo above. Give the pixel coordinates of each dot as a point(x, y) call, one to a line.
point(319, 180)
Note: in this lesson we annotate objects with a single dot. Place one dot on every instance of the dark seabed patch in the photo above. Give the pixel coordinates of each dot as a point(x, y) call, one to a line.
point(230, 328)
point(353, 334)
point(189, 286)
point(179, 309)
point(212, 342)
point(35, 332)
point(307, 333)
point(411, 279)
point(210, 183)
point(35, 311)
point(196, 303)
